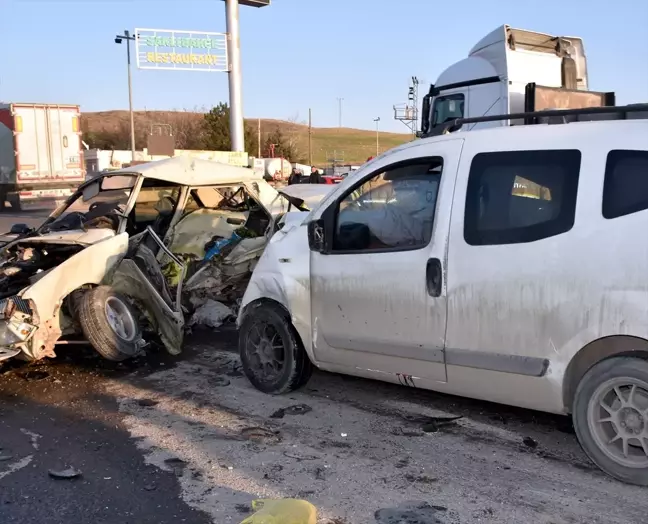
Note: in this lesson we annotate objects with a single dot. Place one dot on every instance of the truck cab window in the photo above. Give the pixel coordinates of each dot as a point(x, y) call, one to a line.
point(393, 210)
point(447, 108)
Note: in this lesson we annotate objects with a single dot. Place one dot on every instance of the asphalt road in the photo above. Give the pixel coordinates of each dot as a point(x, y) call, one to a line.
point(56, 416)
point(166, 440)
point(31, 218)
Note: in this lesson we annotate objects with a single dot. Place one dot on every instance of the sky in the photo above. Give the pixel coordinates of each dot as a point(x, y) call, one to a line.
point(299, 54)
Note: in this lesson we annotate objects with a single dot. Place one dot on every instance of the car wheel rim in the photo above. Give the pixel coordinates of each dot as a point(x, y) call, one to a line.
point(120, 319)
point(265, 349)
point(618, 420)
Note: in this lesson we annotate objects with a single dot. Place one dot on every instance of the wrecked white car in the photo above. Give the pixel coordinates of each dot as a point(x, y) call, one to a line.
point(134, 250)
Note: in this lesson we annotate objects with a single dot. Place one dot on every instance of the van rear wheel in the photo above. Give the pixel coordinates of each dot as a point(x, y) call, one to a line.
point(272, 355)
point(610, 414)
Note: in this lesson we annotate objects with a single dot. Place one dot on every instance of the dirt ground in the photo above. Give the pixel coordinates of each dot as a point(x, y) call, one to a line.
point(361, 451)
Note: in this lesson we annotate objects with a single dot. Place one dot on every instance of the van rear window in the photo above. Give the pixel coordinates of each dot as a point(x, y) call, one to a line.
point(625, 190)
point(521, 196)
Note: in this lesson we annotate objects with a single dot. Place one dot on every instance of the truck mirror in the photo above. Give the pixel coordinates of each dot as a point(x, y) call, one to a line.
point(20, 229)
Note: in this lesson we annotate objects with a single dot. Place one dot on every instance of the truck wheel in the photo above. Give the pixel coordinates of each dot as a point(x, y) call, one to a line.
point(109, 323)
point(610, 413)
point(14, 200)
point(272, 355)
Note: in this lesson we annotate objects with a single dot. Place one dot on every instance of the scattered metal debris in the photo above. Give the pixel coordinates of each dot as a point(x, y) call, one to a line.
point(299, 456)
point(432, 424)
point(64, 474)
point(297, 409)
point(4, 457)
point(220, 382)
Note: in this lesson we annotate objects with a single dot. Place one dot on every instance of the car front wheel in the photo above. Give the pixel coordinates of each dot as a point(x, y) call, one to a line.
point(610, 414)
point(272, 355)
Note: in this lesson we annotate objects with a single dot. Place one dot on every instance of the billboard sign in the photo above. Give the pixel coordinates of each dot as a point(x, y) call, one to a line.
point(166, 49)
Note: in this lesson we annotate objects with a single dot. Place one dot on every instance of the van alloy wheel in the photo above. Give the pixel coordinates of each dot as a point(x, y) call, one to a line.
point(618, 420)
point(266, 351)
point(272, 354)
point(610, 414)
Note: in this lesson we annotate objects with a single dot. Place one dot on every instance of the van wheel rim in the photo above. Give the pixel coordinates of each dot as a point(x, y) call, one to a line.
point(120, 319)
point(617, 418)
point(265, 348)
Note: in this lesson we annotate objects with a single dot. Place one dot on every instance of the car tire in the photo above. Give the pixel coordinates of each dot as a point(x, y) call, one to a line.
point(109, 323)
point(272, 355)
point(610, 414)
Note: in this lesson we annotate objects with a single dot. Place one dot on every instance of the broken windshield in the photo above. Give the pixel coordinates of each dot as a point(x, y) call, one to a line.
point(98, 204)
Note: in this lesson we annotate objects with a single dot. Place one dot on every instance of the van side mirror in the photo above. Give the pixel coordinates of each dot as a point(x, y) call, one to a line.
point(20, 229)
point(316, 236)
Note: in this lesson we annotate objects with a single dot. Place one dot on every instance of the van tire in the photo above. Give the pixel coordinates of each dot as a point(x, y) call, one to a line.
point(599, 386)
point(286, 366)
point(109, 322)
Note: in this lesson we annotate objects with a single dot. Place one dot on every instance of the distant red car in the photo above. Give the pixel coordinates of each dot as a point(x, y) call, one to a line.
point(332, 179)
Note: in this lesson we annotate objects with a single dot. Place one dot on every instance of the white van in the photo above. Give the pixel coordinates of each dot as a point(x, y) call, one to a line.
point(508, 264)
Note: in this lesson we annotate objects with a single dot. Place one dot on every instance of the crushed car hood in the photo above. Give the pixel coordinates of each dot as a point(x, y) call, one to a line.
point(76, 236)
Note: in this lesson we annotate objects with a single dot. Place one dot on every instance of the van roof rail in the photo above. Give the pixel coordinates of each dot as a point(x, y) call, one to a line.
point(533, 116)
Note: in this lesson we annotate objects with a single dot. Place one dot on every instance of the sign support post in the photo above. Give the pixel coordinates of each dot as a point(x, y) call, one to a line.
point(237, 124)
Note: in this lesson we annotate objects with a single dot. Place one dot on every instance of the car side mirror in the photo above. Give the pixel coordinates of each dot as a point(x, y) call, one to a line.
point(316, 236)
point(20, 229)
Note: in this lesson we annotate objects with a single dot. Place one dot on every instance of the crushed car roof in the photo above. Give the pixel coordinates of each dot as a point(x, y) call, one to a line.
point(192, 171)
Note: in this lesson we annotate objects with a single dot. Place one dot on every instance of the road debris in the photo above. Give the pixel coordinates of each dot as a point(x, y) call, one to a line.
point(33, 437)
point(5, 457)
point(147, 402)
point(34, 375)
point(211, 314)
point(64, 474)
point(177, 465)
point(432, 424)
point(297, 409)
point(529, 442)
point(293, 511)
point(412, 513)
point(258, 434)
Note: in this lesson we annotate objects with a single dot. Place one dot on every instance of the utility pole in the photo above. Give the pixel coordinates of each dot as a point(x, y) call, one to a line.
point(377, 119)
point(310, 137)
point(118, 40)
point(259, 137)
point(340, 111)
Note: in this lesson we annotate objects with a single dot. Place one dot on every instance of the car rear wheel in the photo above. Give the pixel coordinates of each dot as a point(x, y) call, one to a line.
point(110, 323)
point(272, 355)
point(610, 415)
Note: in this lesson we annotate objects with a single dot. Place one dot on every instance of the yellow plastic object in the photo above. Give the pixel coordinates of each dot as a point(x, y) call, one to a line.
point(282, 511)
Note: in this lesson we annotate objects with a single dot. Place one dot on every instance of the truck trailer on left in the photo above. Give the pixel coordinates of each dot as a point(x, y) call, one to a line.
point(40, 154)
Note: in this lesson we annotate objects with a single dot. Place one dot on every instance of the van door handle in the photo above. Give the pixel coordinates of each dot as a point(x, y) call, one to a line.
point(434, 277)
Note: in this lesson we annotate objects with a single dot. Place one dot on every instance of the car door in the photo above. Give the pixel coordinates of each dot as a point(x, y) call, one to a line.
point(378, 292)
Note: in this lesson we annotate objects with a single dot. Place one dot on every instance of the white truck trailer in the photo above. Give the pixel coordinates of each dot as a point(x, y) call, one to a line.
point(40, 154)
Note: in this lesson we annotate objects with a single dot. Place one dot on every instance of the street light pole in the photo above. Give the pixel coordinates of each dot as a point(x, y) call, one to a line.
point(340, 111)
point(377, 119)
point(118, 40)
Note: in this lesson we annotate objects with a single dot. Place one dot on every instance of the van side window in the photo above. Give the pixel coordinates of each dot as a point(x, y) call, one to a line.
point(391, 211)
point(521, 196)
point(447, 108)
point(625, 190)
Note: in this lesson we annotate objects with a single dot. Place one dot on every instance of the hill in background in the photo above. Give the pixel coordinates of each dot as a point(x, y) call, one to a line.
point(349, 146)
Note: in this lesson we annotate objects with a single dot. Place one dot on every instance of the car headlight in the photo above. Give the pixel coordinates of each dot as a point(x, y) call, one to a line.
point(14, 332)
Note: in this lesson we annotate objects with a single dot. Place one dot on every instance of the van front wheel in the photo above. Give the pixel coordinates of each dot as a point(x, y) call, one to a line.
point(272, 355)
point(610, 415)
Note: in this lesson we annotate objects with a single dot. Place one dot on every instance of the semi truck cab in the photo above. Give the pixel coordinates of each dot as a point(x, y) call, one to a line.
point(511, 71)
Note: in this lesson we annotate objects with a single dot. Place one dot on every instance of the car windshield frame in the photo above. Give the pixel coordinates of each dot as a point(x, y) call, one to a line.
point(78, 194)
